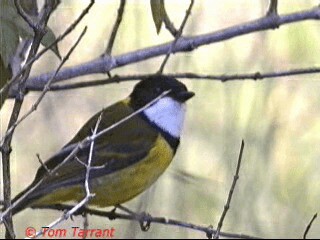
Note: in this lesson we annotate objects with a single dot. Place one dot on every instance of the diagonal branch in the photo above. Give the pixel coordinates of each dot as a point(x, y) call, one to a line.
point(5, 147)
point(32, 24)
point(104, 64)
point(30, 61)
point(44, 92)
point(88, 196)
point(169, 26)
point(309, 226)
point(115, 30)
point(116, 27)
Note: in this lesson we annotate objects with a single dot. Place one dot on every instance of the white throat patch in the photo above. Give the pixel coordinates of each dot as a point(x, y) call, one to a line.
point(168, 114)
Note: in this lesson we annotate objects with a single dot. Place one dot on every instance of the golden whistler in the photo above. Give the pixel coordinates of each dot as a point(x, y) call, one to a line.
point(127, 159)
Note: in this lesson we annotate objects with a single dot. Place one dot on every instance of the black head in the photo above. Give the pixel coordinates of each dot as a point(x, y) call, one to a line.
point(150, 88)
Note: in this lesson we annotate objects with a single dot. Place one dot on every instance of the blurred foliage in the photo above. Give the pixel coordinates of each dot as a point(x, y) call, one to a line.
point(13, 27)
point(279, 119)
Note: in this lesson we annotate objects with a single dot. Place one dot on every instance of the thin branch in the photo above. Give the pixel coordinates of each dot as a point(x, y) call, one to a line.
point(115, 30)
point(116, 27)
point(123, 208)
point(104, 64)
point(45, 90)
point(16, 122)
point(88, 167)
point(5, 147)
point(223, 78)
point(169, 26)
point(43, 164)
point(147, 218)
point(85, 165)
point(75, 149)
point(26, 16)
point(177, 36)
point(227, 206)
point(37, 56)
point(309, 226)
point(88, 196)
point(20, 56)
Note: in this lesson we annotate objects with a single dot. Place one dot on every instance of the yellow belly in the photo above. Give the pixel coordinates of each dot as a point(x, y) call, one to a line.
point(121, 186)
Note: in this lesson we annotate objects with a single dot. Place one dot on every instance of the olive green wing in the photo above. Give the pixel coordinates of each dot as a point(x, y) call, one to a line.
point(116, 149)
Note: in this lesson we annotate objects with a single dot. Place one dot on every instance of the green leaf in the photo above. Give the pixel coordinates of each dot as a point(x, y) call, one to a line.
point(48, 39)
point(30, 7)
point(13, 26)
point(158, 13)
point(9, 13)
point(9, 40)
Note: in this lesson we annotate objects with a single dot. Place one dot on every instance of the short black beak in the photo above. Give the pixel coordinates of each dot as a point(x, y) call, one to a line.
point(184, 96)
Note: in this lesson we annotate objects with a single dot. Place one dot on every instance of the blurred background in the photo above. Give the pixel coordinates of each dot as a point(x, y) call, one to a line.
point(279, 119)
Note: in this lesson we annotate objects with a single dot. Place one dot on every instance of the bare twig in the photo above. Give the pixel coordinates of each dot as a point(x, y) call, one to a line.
point(132, 216)
point(115, 30)
point(37, 56)
point(85, 165)
point(75, 149)
point(227, 206)
point(116, 27)
point(88, 195)
point(5, 147)
point(170, 27)
point(20, 55)
point(88, 167)
point(309, 226)
point(177, 36)
point(14, 122)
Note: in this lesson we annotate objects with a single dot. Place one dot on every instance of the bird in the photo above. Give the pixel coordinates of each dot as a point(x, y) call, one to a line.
point(126, 160)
